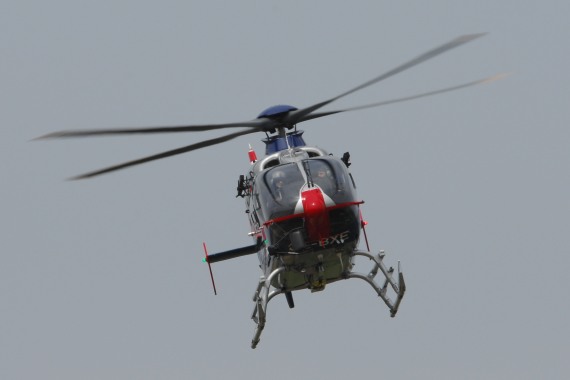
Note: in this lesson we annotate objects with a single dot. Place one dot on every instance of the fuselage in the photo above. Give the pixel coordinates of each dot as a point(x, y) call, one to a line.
point(301, 202)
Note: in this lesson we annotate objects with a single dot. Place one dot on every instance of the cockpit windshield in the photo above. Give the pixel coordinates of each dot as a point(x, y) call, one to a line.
point(280, 189)
point(281, 186)
point(326, 175)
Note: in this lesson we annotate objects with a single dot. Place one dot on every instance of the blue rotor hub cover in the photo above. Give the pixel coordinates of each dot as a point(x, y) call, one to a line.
point(276, 110)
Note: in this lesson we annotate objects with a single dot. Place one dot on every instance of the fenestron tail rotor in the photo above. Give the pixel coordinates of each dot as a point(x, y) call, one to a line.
point(269, 123)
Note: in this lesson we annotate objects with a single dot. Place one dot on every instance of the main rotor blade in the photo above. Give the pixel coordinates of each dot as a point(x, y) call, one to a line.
point(169, 153)
point(293, 117)
point(151, 130)
point(300, 115)
point(405, 99)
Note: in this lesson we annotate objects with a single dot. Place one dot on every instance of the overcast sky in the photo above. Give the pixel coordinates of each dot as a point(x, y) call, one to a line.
point(102, 279)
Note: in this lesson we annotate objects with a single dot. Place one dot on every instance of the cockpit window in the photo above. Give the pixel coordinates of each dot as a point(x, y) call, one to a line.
point(280, 190)
point(332, 177)
point(281, 186)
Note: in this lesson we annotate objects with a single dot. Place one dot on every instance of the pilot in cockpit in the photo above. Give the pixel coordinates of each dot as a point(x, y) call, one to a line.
point(278, 183)
point(324, 181)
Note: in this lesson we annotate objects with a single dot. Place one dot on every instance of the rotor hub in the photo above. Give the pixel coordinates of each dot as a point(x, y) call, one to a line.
point(276, 111)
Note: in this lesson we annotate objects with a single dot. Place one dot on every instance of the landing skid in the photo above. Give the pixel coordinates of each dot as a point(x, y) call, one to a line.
point(261, 298)
point(399, 288)
point(264, 294)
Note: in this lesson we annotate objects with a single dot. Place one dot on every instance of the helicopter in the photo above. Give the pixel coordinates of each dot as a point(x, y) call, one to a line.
point(301, 201)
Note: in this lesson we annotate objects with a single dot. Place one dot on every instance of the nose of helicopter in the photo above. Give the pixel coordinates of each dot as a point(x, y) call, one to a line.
point(317, 220)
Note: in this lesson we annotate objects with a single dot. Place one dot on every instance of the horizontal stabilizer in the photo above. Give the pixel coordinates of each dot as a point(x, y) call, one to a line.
point(237, 252)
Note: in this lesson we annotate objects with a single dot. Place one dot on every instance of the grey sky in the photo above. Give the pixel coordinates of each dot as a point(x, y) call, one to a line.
point(102, 278)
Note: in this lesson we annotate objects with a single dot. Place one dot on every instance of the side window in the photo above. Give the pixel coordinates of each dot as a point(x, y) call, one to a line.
point(256, 204)
point(352, 180)
point(255, 219)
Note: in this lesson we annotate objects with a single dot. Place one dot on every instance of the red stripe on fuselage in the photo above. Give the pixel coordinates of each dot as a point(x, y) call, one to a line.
point(302, 214)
